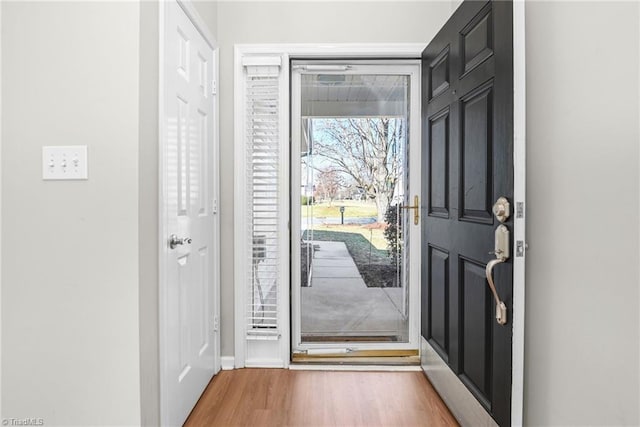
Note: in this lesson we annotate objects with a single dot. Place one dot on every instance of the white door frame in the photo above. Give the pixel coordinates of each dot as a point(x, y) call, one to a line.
point(410, 68)
point(285, 52)
point(203, 29)
point(385, 51)
point(0, 206)
point(519, 221)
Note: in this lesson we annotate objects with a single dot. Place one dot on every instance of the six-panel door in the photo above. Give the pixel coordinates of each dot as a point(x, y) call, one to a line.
point(187, 307)
point(467, 165)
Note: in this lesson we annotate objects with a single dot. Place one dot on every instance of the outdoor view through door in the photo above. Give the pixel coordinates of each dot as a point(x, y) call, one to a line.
point(353, 186)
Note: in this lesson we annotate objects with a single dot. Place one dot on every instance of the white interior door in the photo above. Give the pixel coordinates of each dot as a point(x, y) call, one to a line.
point(187, 301)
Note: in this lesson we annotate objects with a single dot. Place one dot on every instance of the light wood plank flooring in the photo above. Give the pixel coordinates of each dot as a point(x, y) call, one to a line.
point(279, 397)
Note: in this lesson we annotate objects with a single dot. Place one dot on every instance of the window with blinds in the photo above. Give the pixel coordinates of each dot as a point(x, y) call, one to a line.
point(263, 169)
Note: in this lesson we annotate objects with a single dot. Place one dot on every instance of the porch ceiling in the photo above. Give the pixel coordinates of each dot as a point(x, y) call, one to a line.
point(353, 95)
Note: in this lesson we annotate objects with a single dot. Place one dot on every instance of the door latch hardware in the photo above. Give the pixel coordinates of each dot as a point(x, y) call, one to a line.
point(501, 250)
point(501, 209)
point(416, 210)
point(175, 241)
point(519, 248)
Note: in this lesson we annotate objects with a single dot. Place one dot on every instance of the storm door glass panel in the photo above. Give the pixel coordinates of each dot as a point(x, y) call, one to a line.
point(353, 186)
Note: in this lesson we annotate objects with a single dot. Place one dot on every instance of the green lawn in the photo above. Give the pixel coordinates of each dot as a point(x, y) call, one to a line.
point(374, 236)
point(352, 209)
point(358, 246)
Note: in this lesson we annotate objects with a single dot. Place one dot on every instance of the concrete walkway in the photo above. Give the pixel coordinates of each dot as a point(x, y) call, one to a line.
point(338, 302)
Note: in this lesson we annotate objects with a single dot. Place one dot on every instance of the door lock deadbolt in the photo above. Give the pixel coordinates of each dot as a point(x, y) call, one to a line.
point(502, 209)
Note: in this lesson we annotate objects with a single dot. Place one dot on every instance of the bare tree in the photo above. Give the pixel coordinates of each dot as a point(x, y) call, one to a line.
point(367, 149)
point(329, 183)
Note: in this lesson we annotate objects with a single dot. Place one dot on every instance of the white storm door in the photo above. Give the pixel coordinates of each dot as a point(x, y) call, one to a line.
point(187, 302)
point(345, 97)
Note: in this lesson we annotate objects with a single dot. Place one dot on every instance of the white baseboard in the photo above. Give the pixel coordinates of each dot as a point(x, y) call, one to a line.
point(265, 363)
point(228, 363)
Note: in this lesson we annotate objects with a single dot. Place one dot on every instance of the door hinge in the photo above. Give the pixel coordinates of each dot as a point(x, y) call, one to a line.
point(519, 209)
point(214, 206)
point(214, 87)
point(216, 323)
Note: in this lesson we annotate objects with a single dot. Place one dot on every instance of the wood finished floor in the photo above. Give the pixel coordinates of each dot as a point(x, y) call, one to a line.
point(279, 397)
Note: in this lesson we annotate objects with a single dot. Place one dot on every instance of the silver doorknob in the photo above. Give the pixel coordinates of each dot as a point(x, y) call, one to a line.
point(175, 241)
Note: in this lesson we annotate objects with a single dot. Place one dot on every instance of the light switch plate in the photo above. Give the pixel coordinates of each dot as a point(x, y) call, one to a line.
point(64, 162)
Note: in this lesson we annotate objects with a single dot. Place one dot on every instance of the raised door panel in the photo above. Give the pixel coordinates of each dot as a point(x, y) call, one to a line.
point(438, 297)
point(182, 155)
point(439, 72)
point(476, 40)
point(476, 168)
point(185, 364)
point(476, 345)
point(438, 152)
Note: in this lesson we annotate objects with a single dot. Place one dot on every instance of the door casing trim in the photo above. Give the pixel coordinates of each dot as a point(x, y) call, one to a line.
point(519, 224)
point(0, 205)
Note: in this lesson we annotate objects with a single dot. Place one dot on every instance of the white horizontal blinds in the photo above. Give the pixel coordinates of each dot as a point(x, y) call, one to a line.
point(263, 205)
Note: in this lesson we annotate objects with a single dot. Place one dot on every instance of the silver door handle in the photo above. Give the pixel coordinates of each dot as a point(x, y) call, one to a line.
point(501, 309)
point(501, 251)
point(175, 241)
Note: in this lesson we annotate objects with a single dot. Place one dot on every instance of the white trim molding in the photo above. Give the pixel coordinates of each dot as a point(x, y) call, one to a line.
point(0, 208)
point(216, 202)
point(227, 363)
point(329, 50)
point(519, 221)
point(191, 12)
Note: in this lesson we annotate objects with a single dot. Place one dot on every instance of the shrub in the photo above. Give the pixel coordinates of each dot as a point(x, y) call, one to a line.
point(393, 232)
point(306, 200)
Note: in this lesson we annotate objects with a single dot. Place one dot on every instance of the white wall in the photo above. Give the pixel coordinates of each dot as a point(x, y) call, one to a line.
point(582, 306)
point(208, 11)
point(70, 249)
point(300, 22)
